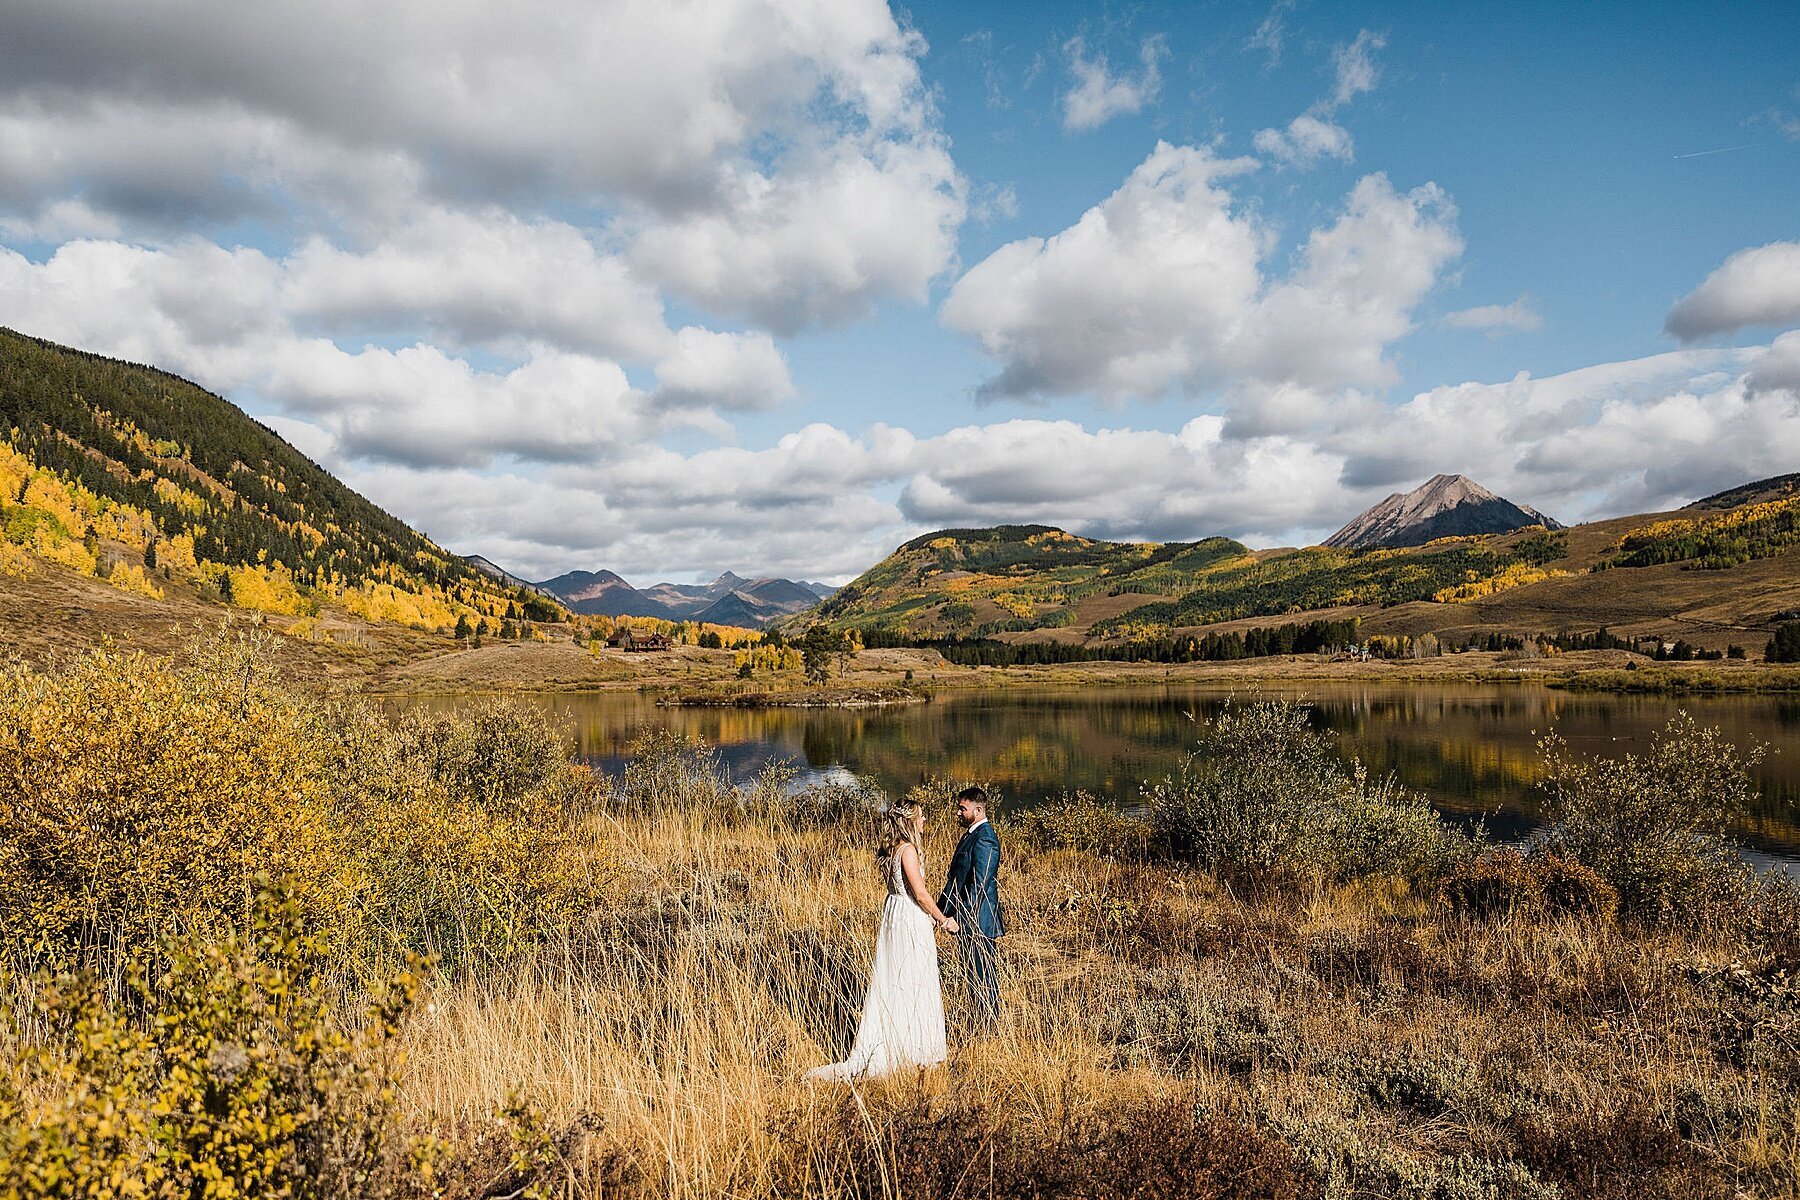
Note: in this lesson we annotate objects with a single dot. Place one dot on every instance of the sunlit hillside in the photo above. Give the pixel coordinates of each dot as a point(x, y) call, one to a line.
point(133, 476)
point(1719, 574)
point(982, 582)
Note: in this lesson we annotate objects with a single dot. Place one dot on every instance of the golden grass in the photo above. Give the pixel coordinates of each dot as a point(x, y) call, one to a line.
point(1352, 1021)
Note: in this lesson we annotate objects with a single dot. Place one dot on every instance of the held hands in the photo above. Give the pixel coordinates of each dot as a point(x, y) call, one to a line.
point(948, 925)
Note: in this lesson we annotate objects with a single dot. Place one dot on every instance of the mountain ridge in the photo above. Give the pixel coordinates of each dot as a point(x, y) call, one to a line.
point(1041, 584)
point(729, 599)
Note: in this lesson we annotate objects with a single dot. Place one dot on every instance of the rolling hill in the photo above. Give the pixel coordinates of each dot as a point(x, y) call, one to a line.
point(1714, 576)
point(150, 483)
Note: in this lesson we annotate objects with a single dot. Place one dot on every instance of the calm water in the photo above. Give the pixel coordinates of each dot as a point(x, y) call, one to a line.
point(1471, 749)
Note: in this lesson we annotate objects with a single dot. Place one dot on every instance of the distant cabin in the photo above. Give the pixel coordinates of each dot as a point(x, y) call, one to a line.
point(637, 642)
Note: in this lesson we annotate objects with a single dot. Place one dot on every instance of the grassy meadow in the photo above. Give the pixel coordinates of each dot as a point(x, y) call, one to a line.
point(263, 942)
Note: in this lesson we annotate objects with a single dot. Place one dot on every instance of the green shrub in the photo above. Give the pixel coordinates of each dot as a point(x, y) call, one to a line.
point(1653, 826)
point(1344, 1160)
point(670, 771)
point(503, 756)
point(1430, 1084)
point(1263, 797)
point(851, 804)
point(1081, 822)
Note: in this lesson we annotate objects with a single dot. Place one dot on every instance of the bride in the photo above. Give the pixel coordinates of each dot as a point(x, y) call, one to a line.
point(903, 1014)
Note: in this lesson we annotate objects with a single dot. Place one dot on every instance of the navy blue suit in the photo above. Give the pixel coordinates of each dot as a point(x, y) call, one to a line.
point(972, 897)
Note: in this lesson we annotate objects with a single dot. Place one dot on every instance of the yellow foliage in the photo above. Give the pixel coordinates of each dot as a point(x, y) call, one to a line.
point(15, 469)
point(1517, 575)
point(1684, 527)
point(125, 523)
point(269, 589)
point(170, 492)
point(177, 554)
point(14, 561)
point(768, 658)
point(231, 1073)
point(128, 577)
point(49, 493)
point(142, 794)
point(1017, 605)
point(385, 602)
point(62, 550)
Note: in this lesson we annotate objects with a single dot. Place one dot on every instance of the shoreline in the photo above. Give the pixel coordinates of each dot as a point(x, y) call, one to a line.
point(691, 679)
point(823, 698)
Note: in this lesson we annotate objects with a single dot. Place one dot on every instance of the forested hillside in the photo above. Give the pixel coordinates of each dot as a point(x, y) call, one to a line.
point(1017, 578)
point(135, 476)
point(1716, 578)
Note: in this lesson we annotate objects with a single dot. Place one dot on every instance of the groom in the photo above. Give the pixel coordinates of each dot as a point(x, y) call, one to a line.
point(972, 898)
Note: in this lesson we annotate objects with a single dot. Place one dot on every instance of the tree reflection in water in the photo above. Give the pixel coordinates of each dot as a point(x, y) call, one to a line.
point(1472, 749)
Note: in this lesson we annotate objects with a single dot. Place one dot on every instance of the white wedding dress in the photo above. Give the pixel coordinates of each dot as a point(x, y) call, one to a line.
point(903, 1014)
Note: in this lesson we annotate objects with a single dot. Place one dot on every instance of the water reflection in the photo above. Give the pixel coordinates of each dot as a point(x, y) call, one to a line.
point(1472, 749)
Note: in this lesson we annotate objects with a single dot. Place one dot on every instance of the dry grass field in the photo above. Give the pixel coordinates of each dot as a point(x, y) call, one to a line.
point(1286, 982)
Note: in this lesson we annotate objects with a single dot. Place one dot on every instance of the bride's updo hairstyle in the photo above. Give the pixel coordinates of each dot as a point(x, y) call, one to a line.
point(896, 826)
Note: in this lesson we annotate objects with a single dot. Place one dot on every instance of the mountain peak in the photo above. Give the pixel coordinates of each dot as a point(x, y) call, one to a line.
point(1442, 506)
point(730, 599)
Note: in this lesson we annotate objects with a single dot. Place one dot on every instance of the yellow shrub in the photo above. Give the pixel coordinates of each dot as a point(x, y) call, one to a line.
point(52, 545)
point(142, 794)
point(177, 554)
point(129, 578)
point(229, 1073)
point(268, 589)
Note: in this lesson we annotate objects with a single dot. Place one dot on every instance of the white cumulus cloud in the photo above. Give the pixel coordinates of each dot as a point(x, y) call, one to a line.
point(1779, 368)
point(1162, 286)
point(721, 138)
point(1759, 286)
point(1315, 134)
point(1098, 95)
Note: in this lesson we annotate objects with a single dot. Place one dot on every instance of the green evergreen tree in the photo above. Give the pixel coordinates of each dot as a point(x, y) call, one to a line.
point(1784, 647)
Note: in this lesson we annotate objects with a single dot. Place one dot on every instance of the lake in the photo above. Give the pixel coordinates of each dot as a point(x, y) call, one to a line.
point(1471, 749)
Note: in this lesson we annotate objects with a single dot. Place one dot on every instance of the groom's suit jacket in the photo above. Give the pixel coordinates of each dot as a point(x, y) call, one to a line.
point(972, 891)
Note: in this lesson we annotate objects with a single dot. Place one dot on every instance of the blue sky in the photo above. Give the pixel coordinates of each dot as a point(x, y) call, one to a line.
point(771, 286)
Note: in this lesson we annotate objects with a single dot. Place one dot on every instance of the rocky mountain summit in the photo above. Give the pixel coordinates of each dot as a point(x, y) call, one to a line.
point(1442, 506)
